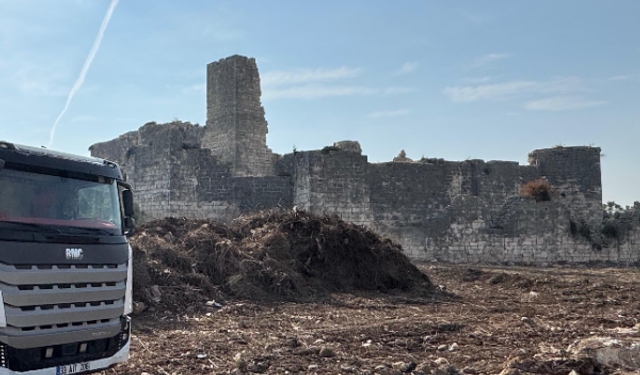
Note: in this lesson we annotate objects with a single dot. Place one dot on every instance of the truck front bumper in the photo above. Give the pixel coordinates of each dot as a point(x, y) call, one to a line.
point(99, 364)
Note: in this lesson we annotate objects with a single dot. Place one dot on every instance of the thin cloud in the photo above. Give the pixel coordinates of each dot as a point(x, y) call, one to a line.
point(298, 76)
point(313, 91)
point(561, 103)
point(32, 79)
point(619, 78)
point(319, 83)
point(406, 68)
point(319, 90)
point(477, 80)
point(487, 59)
point(511, 89)
point(383, 114)
point(398, 90)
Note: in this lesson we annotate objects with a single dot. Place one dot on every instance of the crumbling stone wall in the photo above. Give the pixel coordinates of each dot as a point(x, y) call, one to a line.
point(468, 211)
point(332, 182)
point(236, 131)
point(173, 175)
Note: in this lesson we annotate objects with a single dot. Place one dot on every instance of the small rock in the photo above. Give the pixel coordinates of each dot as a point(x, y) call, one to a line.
point(528, 321)
point(409, 367)
point(346, 368)
point(497, 279)
point(313, 367)
point(574, 372)
point(145, 373)
point(441, 361)
point(241, 359)
point(608, 351)
point(449, 370)
point(201, 356)
point(139, 308)
point(398, 365)
point(510, 371)
point(380, 368)
point(453, 347)
point(258, 368)
point(388, 371)
point(156, 294)
point(292, 343)
point(442, 348)
point(213, 303)
point(429, 339)
point(469, 370)
point(326, 352)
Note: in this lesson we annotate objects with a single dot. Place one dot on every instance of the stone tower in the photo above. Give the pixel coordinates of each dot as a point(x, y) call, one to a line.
point(236, 131)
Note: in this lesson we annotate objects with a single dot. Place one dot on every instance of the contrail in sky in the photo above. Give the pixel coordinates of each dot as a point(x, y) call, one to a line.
point(85, 67)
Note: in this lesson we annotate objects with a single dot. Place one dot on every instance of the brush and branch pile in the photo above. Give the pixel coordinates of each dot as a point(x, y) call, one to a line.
point(273, 255)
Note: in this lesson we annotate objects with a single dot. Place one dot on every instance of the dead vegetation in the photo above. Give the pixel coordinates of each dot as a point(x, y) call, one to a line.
point(300, 294)
point(507, 320)
point(270, 256)
point(540, 190)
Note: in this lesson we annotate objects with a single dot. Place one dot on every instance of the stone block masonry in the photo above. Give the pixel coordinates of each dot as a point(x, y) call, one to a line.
point(236, 127)
point(468, 211)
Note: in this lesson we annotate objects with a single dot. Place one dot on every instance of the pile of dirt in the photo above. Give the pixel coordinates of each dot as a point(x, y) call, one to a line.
point(272, 255)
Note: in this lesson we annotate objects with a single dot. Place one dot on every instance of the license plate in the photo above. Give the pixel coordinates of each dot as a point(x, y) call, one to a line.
point(74, 368)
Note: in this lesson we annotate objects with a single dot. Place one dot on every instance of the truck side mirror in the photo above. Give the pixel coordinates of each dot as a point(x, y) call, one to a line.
point(127, 202)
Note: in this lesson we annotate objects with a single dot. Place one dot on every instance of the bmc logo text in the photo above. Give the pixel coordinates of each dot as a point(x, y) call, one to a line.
point(74, 253)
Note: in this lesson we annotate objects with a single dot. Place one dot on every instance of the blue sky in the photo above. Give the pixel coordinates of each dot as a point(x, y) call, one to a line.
point(455, 80)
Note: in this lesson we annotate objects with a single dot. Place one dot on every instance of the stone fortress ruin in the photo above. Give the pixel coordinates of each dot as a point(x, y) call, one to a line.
point(467, 211)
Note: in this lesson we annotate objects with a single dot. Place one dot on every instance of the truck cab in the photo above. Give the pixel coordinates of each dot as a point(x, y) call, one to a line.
point(65, 262)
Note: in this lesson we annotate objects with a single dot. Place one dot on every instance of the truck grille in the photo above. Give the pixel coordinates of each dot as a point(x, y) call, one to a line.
point(52, 299)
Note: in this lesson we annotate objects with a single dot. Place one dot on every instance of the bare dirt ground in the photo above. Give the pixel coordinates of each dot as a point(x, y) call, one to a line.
point(500, 316)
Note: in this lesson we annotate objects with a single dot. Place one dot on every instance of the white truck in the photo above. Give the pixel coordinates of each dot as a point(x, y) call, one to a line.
point(65, 263)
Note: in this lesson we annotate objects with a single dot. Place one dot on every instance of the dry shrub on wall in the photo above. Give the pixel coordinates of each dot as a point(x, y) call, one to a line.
point(539, 189)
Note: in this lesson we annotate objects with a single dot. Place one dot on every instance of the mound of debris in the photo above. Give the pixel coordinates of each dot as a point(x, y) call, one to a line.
point(272, 255)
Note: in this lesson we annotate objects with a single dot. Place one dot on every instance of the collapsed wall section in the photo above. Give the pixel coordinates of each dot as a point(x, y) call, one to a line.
point(173, 176)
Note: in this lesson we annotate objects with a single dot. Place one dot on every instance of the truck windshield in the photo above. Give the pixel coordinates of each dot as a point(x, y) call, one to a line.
point(66, 203)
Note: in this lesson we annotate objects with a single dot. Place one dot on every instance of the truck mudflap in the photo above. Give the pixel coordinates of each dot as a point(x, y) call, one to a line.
point(77, 368)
